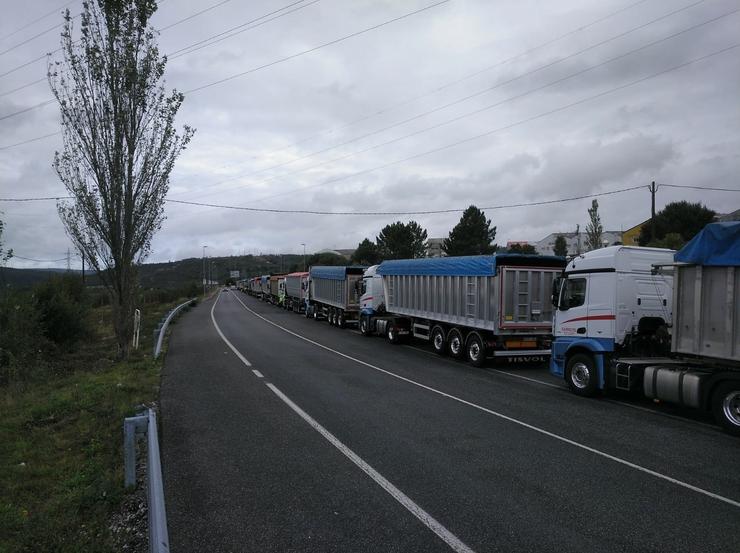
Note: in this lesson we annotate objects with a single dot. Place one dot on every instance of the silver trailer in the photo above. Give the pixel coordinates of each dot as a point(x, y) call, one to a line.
point(255, 286)
point(474, 307)
point(296, 291)
point(334, 294)
point(706, 302)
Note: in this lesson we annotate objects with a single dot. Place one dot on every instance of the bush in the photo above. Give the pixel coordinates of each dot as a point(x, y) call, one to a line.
point(21, 338)
point(62, 308)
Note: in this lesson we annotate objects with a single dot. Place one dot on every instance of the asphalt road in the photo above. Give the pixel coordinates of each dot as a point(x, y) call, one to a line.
point(280, 433)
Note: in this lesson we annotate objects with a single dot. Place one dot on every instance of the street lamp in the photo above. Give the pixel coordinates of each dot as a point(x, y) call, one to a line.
point(304, 256)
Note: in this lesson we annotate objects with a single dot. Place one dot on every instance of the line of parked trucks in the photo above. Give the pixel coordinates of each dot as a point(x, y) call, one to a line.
point(648, 321)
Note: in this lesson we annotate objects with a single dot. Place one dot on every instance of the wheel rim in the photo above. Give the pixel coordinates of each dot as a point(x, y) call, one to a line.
point(391, 334)
point(580, 375)
point(455, 345)
point(731, 408)
point(438, 341)
point(474, 351)
point(363, 326)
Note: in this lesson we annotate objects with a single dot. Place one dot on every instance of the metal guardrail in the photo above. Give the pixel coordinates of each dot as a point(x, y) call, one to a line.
point(146, 423)
point(160, 331)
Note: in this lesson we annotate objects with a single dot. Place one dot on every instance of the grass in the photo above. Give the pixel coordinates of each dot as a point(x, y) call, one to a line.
point(61, 453)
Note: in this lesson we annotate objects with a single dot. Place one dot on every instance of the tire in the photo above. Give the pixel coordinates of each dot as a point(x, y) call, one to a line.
point(315, 313)
point(340, 319)
point(581, 374)
point(455, 344)
point(475, 350)
point(365, 325)
point(726, 406)
point(438, 340)
point(392, 334)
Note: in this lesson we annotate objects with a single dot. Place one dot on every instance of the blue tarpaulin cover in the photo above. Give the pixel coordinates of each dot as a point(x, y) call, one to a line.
point(716, 244)
point(334, 273)
point(473, 265)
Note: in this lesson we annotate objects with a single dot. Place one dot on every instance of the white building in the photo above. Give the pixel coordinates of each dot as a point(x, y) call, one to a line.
point(576, 242)
point(434, 247)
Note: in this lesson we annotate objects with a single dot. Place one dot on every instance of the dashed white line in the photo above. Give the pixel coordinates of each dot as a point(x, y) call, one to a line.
point(257, 373)
point(537, 429)
point(428, 520)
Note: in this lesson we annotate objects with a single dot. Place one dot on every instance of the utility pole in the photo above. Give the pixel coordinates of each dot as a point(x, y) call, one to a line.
point(653, 188)
point(204, 270)
point(578, 239)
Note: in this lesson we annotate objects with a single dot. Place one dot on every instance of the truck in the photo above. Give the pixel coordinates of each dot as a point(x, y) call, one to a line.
point(276, 284)
point(264, 288)
point(334, 294)
point(472, 307)
point(296, 291)
point(655, 323)
point(254, 286)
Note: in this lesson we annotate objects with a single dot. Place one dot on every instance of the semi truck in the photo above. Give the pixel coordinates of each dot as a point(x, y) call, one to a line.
point(472, 307)
point(296, 291)
point(662, 325)
point(276, 284)
point(334, 294)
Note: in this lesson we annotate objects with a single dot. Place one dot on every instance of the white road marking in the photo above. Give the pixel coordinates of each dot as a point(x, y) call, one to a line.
point(550, 384)
point(257, 373)
point(428, 520)
point(215, 324)
point(542, 431)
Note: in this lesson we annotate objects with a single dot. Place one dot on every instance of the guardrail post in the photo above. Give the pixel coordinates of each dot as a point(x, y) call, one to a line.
point(131, 427)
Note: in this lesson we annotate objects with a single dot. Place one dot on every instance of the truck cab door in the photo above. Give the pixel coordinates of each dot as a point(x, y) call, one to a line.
point(571, 318)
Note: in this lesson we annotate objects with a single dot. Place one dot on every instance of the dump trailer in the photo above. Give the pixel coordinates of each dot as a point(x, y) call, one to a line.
point(334, 294)
point(472, 307)
point(667, 328)
point(296, 290)
point(274, 284)
point(254, 287)
point(264, 292)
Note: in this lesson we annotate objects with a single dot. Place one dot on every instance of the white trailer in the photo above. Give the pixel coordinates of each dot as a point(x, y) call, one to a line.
point(474, 307)
point(296, 291)
point(645, 321)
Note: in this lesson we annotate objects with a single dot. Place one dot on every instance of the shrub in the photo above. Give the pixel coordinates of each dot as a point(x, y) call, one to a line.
point(62, 308)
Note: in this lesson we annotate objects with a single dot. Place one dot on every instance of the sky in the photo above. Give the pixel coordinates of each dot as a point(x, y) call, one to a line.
point(358, 106)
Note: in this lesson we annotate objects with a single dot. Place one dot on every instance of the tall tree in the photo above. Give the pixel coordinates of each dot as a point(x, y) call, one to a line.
point(682, 218)
point(120, 143)
point(594, 230)
point(561, 246)
point(402, 241)
point(366, 253)
point(522, 248)
point(5, 255)
point(473, 235)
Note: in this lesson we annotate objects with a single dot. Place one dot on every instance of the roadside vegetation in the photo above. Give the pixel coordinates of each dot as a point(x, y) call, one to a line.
point(64, 393)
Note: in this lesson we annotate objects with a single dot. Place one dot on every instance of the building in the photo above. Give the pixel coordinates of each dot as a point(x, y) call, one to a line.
point(576, 242)
point(734, 216)
point(631, 236)
point(434, 247)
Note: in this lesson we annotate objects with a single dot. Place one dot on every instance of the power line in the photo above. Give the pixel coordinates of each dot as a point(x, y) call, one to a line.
point(511, 125)
point(242, 28)
point(315, 48)
point(43, 199)
point(448, 84)
point(699, 187)
point(34, 37)
point(29, 140)
point(474, 95)
point(41, 260)
point(196, 14)
point(425, 212)
point(27, 25)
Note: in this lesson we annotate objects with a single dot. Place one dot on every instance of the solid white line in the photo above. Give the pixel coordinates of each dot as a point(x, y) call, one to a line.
point(550, 384)
point(508, 418)
point(215, 324)
point(428, 520)
point(257, 373)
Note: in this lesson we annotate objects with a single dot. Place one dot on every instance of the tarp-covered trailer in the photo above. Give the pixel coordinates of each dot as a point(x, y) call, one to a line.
point(473, 306)
point(274, 287)
point(334, 294)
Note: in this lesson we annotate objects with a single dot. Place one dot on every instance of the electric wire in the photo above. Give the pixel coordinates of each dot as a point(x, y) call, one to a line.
point(31, 23)
point(196, 14)
point(470, 96)
point(511, 125)
point(43, 260)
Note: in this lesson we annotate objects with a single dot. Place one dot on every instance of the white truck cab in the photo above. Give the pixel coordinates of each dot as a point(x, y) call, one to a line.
point(610, 300)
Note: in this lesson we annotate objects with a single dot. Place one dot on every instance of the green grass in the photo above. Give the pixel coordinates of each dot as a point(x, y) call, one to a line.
point(61, 458)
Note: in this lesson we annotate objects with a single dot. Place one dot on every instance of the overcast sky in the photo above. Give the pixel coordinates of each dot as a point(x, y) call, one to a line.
point(554, 127)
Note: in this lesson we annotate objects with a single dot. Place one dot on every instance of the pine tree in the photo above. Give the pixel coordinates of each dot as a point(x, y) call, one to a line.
point(473, 235)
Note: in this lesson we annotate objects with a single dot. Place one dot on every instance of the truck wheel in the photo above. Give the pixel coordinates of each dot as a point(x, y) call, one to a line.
point(475, 350)
point(340, 319)
point(332, 314)
point(580, 374)
point(315, 314)
point(726, 406)
point(455, 344)
point(365, 325)
point(392, 335)
point(439, 344)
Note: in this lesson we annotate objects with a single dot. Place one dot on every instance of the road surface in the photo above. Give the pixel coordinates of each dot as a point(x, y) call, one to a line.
point(283, 434)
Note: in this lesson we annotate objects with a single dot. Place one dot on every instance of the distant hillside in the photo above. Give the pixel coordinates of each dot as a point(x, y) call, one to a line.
point(176, 274)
